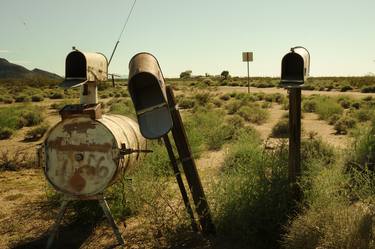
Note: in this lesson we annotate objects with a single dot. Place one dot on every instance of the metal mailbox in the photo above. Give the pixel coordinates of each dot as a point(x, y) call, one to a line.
point(81, 67)
point(147, 90)
point(295, 67)
point(85, 70)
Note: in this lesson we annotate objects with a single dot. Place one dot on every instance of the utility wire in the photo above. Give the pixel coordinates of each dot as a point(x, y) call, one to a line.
point(122, 31)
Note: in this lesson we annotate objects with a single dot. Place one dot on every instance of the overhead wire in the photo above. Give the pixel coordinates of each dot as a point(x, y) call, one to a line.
point(122, 31)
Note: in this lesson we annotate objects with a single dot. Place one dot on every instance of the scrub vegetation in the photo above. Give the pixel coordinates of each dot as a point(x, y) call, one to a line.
point(239, 142)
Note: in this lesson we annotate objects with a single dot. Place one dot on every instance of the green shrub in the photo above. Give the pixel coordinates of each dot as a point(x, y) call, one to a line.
point(8, 100)
point(233, 106)
point(281, 129)
point(346, 88)
point(36, 133)
point(31, 118)
point(333, 119)
point(235, 121)
point(309, 105)
point(219, 135)
point(122, 107)
point(56, 95)
point(344, 124)
point(344, 103)
point(253, 114)
point(186, 103)
point(250, 201)
point(22, 98)
point(37, 98)
point(364, 115)
point(327, 107)
point(225, 97)
point(5, 132)
point(202, 98)
point(15, 117)
point(368, 89)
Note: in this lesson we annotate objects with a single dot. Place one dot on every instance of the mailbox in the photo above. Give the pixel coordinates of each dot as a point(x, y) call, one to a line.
point(147, 90)
point(86, 70)
point(295, 67)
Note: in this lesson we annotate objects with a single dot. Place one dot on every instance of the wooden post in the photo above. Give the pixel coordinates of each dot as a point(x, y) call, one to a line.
point(294, 140)
point(180, 183)
point(189, 167)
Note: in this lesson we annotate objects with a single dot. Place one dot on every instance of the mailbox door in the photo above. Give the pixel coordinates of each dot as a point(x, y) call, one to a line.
point(292, 69)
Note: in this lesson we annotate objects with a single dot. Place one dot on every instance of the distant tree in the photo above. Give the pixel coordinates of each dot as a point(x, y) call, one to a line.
point(186, 74)
point(225, 74)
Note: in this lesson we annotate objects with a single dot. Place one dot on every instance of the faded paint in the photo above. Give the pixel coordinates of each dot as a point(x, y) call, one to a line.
point(82, 156)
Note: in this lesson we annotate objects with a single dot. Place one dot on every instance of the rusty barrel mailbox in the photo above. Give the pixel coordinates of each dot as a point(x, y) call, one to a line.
point(85, 152)
point(147, 90)
point(295, 67)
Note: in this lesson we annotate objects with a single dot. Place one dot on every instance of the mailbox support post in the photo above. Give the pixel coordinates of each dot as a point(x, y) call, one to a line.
point(189, 167)
point(294, 161)
point(180, 183)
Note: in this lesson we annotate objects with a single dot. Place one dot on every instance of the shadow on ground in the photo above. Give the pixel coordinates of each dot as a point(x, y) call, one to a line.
point(72, 235)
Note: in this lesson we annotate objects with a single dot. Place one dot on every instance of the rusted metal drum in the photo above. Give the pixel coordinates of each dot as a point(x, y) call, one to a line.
point(82, 156)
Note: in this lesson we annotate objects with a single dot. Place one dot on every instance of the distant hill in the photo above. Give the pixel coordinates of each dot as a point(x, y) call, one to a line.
point(11, 73)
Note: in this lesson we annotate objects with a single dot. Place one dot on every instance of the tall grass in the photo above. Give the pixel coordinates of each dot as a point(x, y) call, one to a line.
point(339, 202)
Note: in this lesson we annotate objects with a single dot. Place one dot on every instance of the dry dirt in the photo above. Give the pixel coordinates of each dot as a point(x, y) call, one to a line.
point(26, 216)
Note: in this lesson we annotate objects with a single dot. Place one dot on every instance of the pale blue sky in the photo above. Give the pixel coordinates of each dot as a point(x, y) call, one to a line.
point(202, 36)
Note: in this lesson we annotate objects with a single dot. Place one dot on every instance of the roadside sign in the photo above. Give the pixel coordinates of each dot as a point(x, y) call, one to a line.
point(247, 56)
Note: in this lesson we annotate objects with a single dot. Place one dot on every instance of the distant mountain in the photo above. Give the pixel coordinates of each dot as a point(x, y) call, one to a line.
point(13, 73)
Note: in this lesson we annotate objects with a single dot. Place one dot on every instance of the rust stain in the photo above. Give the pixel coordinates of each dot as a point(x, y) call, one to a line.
point(80, 127)
point(77, 182)
point(58, 145)
point(89, 170)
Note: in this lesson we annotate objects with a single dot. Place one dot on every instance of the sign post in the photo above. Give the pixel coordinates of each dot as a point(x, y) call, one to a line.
point(247, 56)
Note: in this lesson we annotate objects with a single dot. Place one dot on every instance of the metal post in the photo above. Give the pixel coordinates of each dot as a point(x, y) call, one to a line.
point(248, 78)
point(180, 183)
point(294, 140)
point(189, 167)
point(55, 228)
point(103, 203)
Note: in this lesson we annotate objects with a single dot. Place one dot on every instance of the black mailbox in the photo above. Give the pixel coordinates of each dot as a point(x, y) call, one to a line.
point(295, 67)
point(147, 90)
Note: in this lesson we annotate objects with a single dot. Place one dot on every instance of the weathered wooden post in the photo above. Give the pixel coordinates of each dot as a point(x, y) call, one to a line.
point(295, 68)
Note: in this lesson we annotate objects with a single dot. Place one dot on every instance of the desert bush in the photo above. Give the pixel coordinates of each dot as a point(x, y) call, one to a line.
point(11, 160)
point(344, 124)
point(233, 106)
point(202, 98)
point(250, 201)
point(225, 97)
point(362, 153)
point(122, 107)
point(368, 89)
point(346, 88)
point(364, 115)
point(281, 129)
point(330, 219)
point(235, 121)
point(56, 95)
point(6, 132)
point(326, 107)
point(333, 119)
point(16, 117)
point(309, 105)
point(345, 103)
point(22, 98)
point(186, 103)
point(37, 98)
point(36, 133)
point(266, 105)
point(253, 114)
point(219, 135)
point(217, 102)
point(356, 105)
